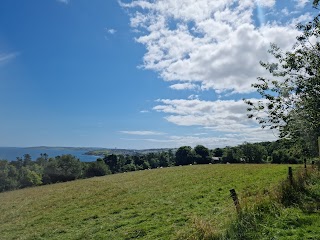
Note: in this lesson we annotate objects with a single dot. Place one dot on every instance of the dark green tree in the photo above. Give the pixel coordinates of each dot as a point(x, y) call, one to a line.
point(254, 153)
point(231, 155)
point(184, 155)
point(203, 154)
point(164, 159)
point(97, 168)
point(42, 160)
point(218, 152)
point(9, 176)
point(112, 161)
point(27, 160)
point(62, 169)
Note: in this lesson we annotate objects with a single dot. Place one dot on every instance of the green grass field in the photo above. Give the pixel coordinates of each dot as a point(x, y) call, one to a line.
point(151, 204)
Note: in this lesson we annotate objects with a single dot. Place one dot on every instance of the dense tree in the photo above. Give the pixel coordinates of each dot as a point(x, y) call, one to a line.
point(218, 152)
point(291, 99)
point(97, 168)
point(112, 161)
point(232, 155)
point(8, 176)
point(165, 160)
point(184, 155)
point(129, 167)
point(42, 160)
point(61, 169)
point(154, 162)
point(29, 178)
point(254, 153)
point(203, 154)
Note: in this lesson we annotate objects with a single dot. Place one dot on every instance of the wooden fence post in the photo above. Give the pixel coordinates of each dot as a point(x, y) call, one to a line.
point(319, 145)
point(290, 175)
point(235, 199)
point(305, 163)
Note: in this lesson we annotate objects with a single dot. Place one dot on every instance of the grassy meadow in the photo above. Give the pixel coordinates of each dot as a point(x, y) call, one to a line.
point(167, 203)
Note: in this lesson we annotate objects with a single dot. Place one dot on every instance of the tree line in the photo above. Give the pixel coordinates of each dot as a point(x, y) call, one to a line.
point(24, 172)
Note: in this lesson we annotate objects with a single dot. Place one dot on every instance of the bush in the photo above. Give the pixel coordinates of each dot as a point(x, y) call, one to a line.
point(98, 168)
point(62, 169)
point(29, 178)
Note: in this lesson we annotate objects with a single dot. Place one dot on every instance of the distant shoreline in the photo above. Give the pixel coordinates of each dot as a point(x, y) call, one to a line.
point(83, 153)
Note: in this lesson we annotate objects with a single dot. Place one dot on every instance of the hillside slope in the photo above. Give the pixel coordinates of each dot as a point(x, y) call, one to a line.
point(150, 204)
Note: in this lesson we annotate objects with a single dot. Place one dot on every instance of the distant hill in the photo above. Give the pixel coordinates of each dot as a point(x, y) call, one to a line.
point(96, 151)
point(64, 148)
point(106, 151)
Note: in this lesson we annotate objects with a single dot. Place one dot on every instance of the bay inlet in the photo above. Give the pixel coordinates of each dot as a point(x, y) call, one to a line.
point(11, 153)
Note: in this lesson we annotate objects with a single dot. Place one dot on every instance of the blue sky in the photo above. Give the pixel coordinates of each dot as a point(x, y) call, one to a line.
point(136, 74)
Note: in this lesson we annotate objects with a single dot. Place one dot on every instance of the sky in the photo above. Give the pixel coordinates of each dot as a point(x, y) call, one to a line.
point(137, 73)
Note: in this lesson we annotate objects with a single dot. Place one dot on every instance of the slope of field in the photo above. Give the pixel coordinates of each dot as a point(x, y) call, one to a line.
point(150, 204)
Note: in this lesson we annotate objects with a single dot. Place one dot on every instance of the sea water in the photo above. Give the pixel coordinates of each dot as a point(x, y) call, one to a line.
point(11, 153)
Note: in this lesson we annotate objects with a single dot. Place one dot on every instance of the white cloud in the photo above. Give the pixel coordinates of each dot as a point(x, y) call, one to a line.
point(212, 43)
point(229, 116)
point(302, 19)
point(144, 111)
point(193, 96)
point(111, 31)
point(285, 11)
point(301, 3)
point(266, 3)
point(5, 57)
point(208, 141)
point(184, 86)
point(64, 1)
point(142, 133)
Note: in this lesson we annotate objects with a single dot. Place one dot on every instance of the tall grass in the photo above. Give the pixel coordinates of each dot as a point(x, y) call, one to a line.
point(289, 211)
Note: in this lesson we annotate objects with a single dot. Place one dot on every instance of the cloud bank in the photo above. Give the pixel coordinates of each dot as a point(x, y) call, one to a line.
point(213, 45)
point(142, 133)
point(217, 44)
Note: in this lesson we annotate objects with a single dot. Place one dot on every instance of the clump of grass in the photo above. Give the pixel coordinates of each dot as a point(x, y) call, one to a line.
point(288, 208)
point(202, 229)
point(253, 221)
point(303, 191)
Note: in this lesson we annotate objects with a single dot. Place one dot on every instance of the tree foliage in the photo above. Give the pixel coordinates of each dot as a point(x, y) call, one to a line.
point(184, 155)
point(203, 154)
point(253, 153)
point(64, 168)
point(97, 168)
point(291, 98)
